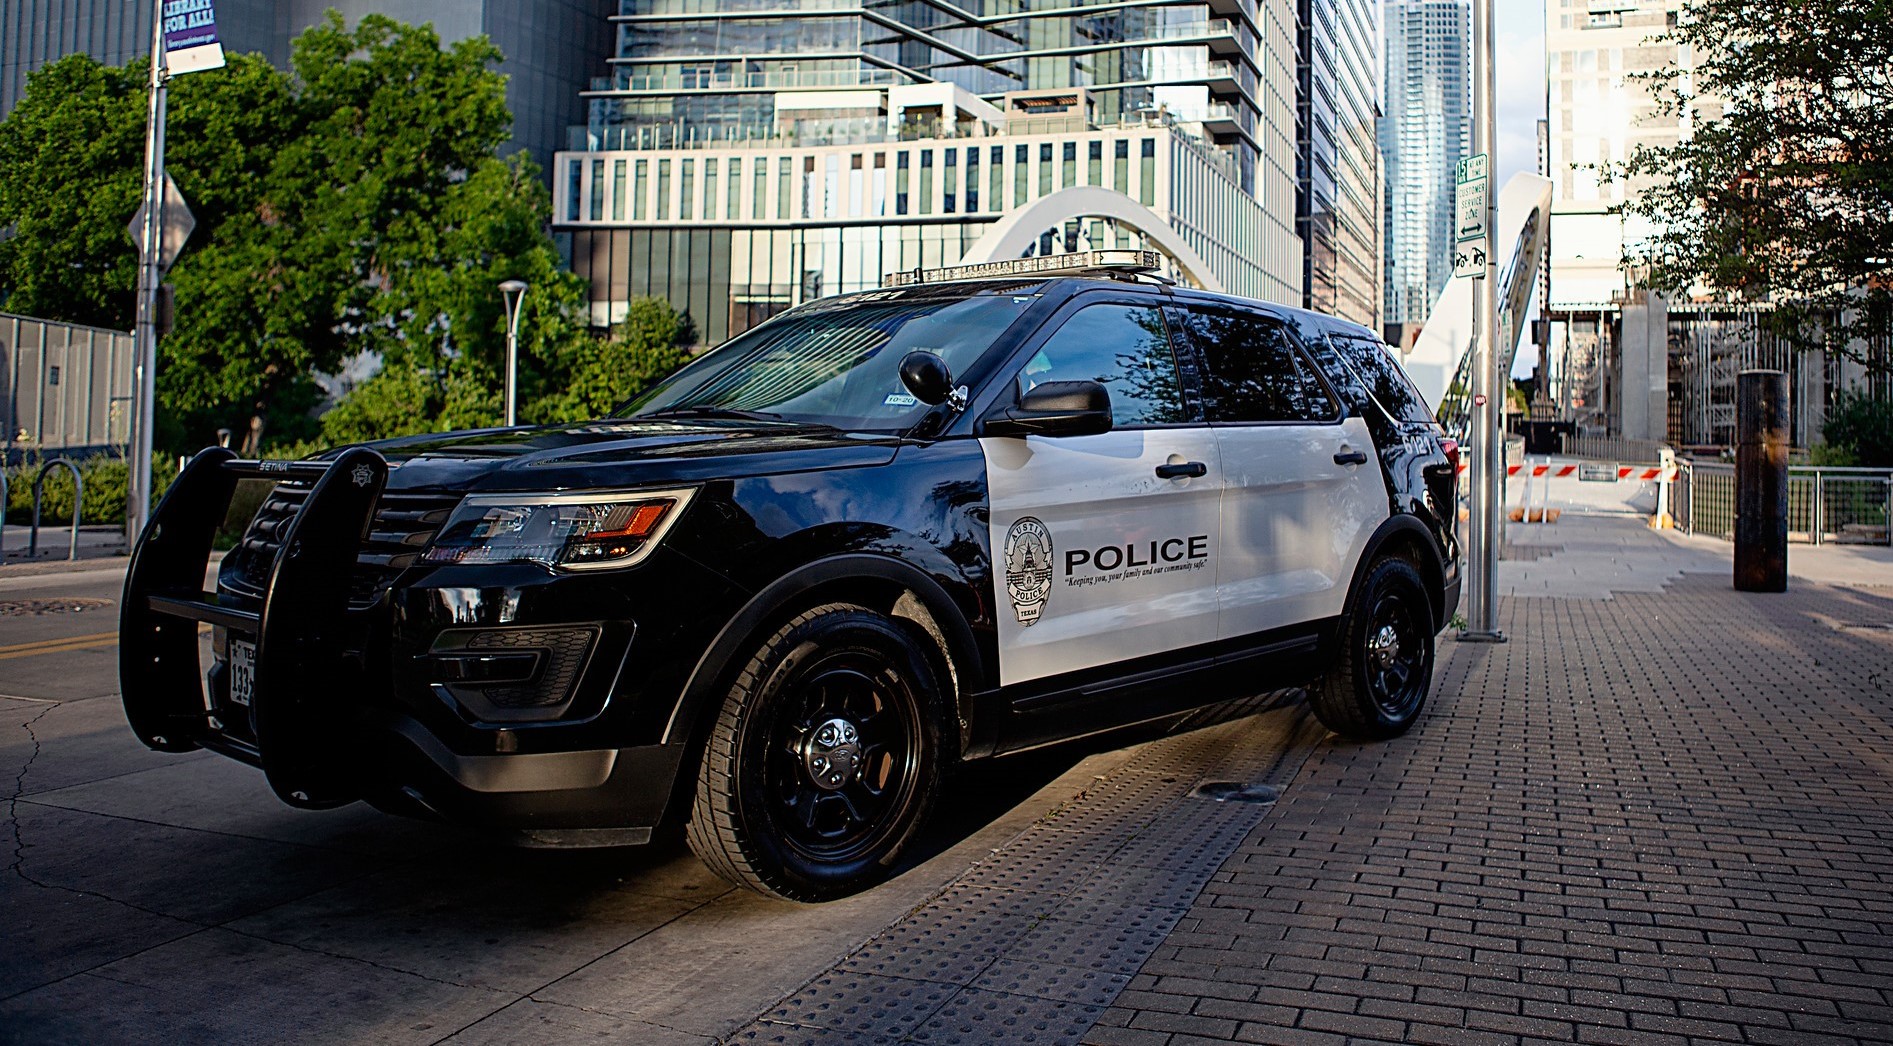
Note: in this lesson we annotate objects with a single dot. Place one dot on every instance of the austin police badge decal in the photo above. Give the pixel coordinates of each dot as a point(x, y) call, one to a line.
point(1028, 568)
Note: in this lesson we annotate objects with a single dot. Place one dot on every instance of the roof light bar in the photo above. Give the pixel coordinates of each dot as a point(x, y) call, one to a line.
point(1114, 261)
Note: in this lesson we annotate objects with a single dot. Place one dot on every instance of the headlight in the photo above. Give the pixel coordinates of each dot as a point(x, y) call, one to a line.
point(560, 531)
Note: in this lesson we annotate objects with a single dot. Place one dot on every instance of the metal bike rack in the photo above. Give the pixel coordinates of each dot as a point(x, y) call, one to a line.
point(78, 504)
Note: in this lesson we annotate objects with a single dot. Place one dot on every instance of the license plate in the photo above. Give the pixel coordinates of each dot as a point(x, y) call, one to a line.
point(242, 671)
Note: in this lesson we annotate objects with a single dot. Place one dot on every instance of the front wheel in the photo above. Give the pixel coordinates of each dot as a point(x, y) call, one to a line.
point(1379, 683)
point(824, 759)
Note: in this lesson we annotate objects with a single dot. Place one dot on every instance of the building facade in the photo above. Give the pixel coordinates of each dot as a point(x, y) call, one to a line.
point(741, 158)
point(1338, 171)
point(554, 48)
point(1424, 133)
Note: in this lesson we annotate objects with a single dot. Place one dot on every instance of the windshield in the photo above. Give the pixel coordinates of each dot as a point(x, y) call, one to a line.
point(834, 364)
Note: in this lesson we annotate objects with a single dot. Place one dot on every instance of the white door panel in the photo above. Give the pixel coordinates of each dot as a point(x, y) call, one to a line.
point(1131, 556)
point(1294, 521)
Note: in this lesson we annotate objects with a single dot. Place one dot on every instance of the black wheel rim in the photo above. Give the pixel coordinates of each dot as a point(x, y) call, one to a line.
point(831, 823)
point(1395, 657)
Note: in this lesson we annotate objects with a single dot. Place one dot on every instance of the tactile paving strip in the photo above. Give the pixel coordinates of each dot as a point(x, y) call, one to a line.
point(1035, 941)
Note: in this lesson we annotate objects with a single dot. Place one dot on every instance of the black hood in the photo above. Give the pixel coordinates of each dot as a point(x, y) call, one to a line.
point(623, 452)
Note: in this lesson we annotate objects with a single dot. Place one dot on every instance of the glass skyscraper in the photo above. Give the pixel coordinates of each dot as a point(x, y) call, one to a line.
point(1426, 131)
point(1337, 200)
point(742, 156)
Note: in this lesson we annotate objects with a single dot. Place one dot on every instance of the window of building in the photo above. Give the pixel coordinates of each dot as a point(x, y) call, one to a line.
point(972, 180)
point(710, 197)
point(640, 186)
point(1095, 174)
point(1021, 176)
point(900, 182)
point(996, 179)
point(1253, 371)
point(1045, 170)
point(574, 178)
point(1125, 348)
point(733, 207)
point(926, 181)
point(663, 190)
point(1121, 167)
point(617, 190)
point(1068, 177)
point(686, 189)
point(1147, 192)
point(950, 190)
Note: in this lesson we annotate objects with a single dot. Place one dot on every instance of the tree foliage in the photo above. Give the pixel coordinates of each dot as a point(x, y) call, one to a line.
point(353, 205)
point(1782, 191)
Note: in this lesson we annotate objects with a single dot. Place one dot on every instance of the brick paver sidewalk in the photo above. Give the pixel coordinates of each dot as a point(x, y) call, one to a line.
point(1657, 818)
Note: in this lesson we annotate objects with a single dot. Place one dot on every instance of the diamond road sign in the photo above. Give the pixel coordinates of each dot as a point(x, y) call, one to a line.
point(175, 223)
point(1471, 240)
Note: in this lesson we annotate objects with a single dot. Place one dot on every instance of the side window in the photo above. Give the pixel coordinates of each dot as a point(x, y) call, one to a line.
point(1382, 375)
point(1252, 370)
point(1125, 348)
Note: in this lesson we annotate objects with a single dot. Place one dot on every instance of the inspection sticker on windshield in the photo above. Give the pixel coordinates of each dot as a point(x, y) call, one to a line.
point(899, 399)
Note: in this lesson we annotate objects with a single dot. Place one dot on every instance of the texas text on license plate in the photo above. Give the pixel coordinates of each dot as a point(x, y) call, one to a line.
point(242, 671)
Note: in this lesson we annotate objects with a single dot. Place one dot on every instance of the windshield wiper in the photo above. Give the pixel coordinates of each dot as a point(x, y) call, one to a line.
point(708, 411)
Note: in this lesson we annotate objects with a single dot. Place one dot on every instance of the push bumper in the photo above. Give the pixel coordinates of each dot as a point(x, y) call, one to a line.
point(319, 750)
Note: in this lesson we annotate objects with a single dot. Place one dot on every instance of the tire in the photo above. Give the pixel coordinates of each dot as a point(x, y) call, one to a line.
point(824, 759)
point(1384, 668)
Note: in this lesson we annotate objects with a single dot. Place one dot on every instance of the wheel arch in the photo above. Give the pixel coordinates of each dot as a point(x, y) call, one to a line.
point(1407, 538)
point(896, 588)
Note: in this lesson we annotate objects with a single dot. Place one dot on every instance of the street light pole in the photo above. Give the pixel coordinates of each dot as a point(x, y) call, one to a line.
point(513, 294)
point(145, 335)
point(1488, 386)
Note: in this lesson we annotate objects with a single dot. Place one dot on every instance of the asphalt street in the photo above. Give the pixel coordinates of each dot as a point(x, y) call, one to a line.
point(171, 896)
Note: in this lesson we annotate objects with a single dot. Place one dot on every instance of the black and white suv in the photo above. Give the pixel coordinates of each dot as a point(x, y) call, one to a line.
point(779, 594)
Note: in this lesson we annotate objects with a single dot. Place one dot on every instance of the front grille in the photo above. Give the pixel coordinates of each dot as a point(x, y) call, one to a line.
point(565, 650)
point(404, 524)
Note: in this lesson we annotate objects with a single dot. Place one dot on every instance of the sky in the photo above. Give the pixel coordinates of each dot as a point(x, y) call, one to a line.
point(1518, 37)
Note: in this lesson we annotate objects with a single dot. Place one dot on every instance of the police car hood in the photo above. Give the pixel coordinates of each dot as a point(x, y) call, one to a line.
point(624, 452)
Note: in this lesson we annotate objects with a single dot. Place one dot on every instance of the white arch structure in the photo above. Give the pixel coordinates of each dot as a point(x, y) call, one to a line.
point(1012, 235)
point(1524, 207)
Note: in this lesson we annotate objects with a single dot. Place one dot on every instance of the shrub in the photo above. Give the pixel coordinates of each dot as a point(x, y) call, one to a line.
point(1862, 428)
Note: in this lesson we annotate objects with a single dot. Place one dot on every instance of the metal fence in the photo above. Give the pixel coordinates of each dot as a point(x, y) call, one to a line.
point(63, 387)
point(1825, 505)
point(1612, 448)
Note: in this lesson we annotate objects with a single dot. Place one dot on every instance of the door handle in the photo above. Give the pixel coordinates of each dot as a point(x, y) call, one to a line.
point(1182, 470)
point(1349, 456)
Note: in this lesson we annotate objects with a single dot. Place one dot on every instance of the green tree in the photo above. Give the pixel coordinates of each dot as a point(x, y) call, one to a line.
point(652, 341)
point(354, 205)
point(1860, 429)
point(1783, 190)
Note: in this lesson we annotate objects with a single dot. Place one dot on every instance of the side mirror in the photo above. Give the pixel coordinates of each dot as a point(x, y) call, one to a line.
point(927, 376)
point(1056, 408)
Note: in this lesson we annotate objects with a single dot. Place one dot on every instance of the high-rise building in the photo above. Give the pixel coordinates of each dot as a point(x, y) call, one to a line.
point(741, 159)
point(552, 48)
point(1337, 198)
point(1424, 133)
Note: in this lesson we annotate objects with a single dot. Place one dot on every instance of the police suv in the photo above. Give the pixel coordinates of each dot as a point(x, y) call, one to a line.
point(780, 594)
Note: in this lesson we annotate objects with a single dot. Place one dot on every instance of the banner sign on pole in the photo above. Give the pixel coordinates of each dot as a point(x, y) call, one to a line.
point(190, 37)
point(1471, 244)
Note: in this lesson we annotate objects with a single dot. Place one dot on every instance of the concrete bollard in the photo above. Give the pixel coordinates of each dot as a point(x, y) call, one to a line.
point(1761, 481)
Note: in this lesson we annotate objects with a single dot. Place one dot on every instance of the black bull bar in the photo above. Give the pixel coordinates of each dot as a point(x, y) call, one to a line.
point(302, 633)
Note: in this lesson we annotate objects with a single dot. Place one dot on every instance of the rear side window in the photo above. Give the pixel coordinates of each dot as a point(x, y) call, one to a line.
point(1381, 373)
point(1125, 348)
point(1252, 369)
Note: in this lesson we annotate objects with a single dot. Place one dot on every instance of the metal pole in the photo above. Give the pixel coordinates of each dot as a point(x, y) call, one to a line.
point(145, 335)
point(1488, 441)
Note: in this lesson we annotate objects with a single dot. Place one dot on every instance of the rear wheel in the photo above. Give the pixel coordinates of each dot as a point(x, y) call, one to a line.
point(1380, 681)
point(824, 759)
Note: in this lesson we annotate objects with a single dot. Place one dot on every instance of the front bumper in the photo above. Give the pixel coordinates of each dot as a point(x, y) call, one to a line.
point(348, 703)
